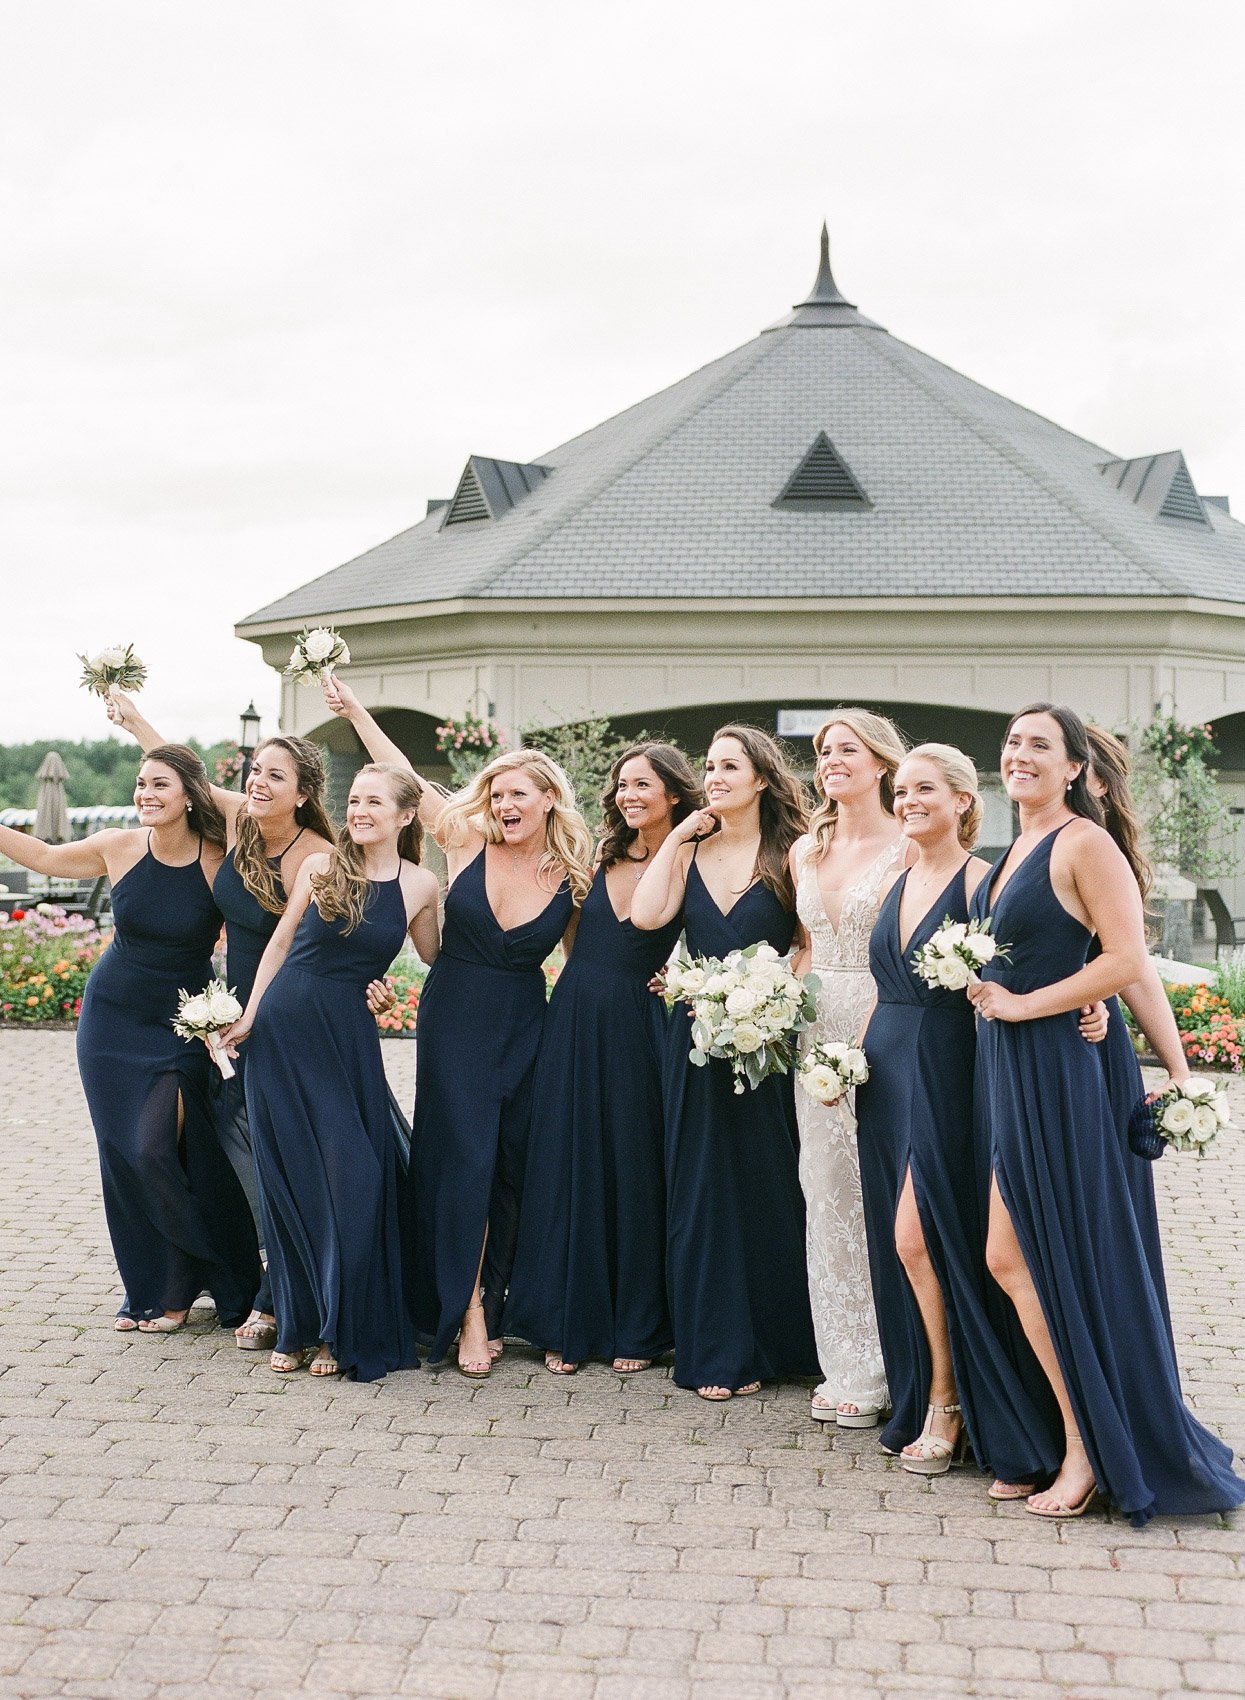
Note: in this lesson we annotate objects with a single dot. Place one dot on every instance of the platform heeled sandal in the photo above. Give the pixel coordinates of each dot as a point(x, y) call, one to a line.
point(935, 1455)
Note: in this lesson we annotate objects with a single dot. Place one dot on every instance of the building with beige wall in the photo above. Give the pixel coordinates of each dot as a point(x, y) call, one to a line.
point(825, 514)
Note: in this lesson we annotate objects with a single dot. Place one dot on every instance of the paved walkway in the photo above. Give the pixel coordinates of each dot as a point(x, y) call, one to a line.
point(181, 1523)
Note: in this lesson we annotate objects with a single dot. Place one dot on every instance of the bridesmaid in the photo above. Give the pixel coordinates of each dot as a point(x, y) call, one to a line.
point(177, 1213)
point(949, 1377)
point(1063, 1241)
point(1108, 783)
point(839, 870)
point(271, 828)
point(519, 860)
point(735, 1237)
point(316, 1095)
point(589, 1273)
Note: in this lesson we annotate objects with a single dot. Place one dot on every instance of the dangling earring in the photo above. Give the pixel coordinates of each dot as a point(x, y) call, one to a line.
point(190, 808)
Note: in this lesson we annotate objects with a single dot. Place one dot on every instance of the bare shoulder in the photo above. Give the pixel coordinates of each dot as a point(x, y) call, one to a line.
point(975, 870)
point(310, 844)
point(317, 863)
point(1083, 842)
point(419, 884)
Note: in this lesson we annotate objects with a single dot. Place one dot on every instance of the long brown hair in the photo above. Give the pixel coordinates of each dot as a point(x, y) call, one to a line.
point(882, 738)
point(343, 891)
point(677, 775)
point(784, 812)
point(1076, 747)
point(204, 815)
point(250, 856)
point(1110, 762)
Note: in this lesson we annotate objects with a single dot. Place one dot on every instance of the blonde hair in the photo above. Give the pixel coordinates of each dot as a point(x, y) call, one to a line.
point(960, 773)
point(568, 843)
point(882, 738)
point(343, 891)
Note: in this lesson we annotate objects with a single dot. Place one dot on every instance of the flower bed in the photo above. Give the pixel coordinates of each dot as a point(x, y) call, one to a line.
point(45, 957)
point(1209, 1032)
point(406, 976)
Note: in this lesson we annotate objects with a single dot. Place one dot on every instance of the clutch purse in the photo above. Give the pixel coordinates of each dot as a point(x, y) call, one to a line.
point(1144, 1138)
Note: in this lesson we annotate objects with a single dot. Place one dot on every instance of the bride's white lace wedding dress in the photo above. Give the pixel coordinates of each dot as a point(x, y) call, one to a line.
point(838, 1261)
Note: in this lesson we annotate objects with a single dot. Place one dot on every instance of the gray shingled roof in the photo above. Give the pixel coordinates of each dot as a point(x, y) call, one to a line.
point(971, 495)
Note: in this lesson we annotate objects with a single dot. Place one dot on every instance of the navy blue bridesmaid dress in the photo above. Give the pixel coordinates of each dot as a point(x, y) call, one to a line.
point(735, 1266)
point(589, 1278)
point(915, 1112)
point(1054, 1148)
point(318, 1108)
point(176, 1211)
point(248, 928)
point(1124, 1087)
point(481, 1014)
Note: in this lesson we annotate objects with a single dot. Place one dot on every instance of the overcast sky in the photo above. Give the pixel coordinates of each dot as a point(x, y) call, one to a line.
point(270, 271)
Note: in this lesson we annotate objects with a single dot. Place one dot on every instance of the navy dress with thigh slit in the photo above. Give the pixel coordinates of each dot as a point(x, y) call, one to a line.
point(481, 1014)
point(735, 1265)
point(589, 1278)
point(318, 1109)
point(1054, 1148)
point(177, 1213)
point(915, 1114)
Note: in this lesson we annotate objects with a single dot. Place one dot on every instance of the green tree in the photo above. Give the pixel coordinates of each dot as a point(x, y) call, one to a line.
point(1187, 822)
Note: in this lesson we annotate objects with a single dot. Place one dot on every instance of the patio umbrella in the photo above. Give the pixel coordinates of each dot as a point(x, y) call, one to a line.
point(51, 810)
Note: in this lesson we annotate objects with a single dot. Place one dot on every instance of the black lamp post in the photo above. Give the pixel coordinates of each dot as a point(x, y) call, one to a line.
point(248, 738)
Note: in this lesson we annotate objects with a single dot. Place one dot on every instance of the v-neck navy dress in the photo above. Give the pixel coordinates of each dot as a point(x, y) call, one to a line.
point(177, 1214)
point(481, 1015)
point(1055, 1150)
point(589, 1278)
point(915, 1113)
point(318, 1109)
point(735, 1264)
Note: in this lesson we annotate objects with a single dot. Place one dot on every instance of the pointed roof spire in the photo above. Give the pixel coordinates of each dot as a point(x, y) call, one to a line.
point(825, 291)
point(826, 305)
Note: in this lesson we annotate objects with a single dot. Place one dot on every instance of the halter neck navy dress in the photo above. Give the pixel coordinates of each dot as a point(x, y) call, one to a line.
point(248, 928)
point(178, 1218)
point(1054, 1148)
point(481, 1014)
point(328, 1171)
point(915, 1112)
point(589, 1278)
point(735, 1265)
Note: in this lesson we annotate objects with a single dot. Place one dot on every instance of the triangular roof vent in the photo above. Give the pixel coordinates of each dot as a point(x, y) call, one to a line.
point(490, 488)
point(822, 480)
point(1160, 485)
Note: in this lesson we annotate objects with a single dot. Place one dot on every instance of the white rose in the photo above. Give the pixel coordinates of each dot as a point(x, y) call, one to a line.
point(820, 1082)
point(855, 1066)
point(223, 1008)
point(113, 657)
point(692, 980)
point(343, 655)
point(741, 1001)
point(783, 1013)
point(1205, 1123)
point(1222, 1114)
point(195, 1012)
point(319, 644)
point(981, 947)
point(953, 974)
point(955, 934)
point(1178, 1117)
point(1199, 1090)
point(834, 1050)
point(747, 1038)
point(765, 953)
point(296, 658)
point(717, 985)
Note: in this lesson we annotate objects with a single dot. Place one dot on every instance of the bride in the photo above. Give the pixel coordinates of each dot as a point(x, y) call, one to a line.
point(839, 867)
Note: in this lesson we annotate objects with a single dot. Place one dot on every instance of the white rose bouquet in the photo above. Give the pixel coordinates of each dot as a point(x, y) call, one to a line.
point(955, 952)
point(828, 1070)
point(203, 1015)
point(1185, 1117)
point(748, 1009)
point(317, 650)
point(116, 666)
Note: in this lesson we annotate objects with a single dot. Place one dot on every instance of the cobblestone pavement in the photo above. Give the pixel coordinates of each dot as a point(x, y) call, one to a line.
point(181, 1523)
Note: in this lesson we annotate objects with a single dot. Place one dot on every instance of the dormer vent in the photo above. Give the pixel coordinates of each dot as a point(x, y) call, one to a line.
point(490, 488)
point(1160, 485)
point(822, 480)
